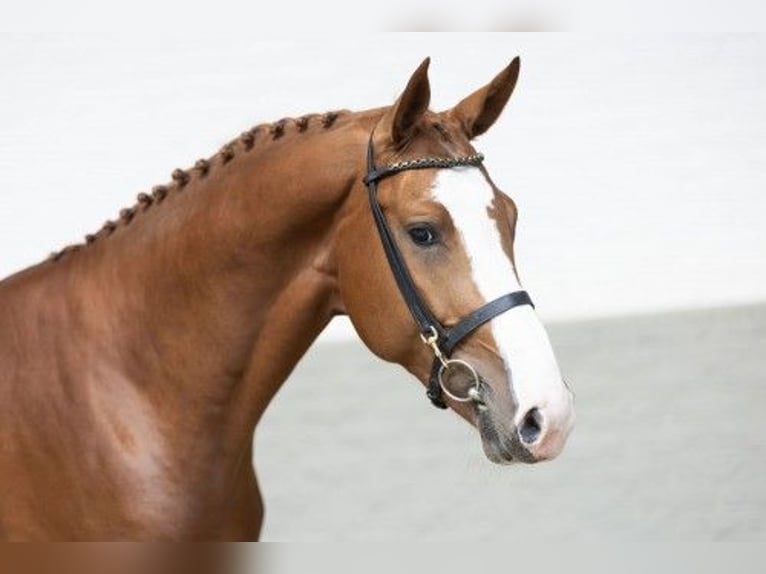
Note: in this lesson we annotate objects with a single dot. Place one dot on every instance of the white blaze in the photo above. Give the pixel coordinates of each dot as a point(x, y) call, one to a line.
point(533, 372)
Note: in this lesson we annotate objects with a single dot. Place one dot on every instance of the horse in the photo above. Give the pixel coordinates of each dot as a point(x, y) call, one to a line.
point(135, 366)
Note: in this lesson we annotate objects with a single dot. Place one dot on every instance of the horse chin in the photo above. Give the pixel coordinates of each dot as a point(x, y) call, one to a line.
point(497, 454)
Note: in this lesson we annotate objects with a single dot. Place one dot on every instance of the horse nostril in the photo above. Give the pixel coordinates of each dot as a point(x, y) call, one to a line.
point(531, 426)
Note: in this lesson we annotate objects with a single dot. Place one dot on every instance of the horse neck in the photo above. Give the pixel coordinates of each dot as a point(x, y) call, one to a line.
point(205, 303)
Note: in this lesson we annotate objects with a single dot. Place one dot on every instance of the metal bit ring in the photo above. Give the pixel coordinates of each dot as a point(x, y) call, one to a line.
point(473, 392)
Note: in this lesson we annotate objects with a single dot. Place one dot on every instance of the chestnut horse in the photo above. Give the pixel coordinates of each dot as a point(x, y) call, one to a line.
point(135, 367)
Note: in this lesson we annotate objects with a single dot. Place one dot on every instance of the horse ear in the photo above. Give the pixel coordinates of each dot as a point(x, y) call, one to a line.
point(479, 111)
point(400, 120)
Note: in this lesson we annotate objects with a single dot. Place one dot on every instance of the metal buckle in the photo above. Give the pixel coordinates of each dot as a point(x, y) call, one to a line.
point(432, 341)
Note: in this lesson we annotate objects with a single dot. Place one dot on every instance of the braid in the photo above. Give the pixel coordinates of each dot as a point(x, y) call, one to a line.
point(181, 178)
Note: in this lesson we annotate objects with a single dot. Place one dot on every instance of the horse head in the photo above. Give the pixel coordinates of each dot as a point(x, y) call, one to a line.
point(430, 281)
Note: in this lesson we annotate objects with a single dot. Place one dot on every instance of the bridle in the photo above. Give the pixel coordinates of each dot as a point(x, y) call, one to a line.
point(441, 339)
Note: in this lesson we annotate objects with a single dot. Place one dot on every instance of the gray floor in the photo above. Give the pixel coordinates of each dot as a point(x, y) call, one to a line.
point(670, 443)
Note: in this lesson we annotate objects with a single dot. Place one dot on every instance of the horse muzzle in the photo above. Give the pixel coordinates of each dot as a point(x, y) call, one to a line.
point(535, 435)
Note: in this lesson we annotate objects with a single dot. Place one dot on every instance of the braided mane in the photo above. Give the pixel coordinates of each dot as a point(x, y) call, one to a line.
point(181, 177)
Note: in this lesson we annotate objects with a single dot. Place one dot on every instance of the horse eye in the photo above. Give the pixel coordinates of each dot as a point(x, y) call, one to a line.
point(423, 235)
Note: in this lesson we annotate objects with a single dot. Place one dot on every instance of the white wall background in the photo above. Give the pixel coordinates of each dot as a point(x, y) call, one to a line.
point(638, 162)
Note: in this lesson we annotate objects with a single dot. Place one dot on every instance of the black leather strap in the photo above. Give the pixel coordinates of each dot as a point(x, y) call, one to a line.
point(447, 339)
point(376, 174)
point(419, 311)
point(483, 314)
point(434, 390)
